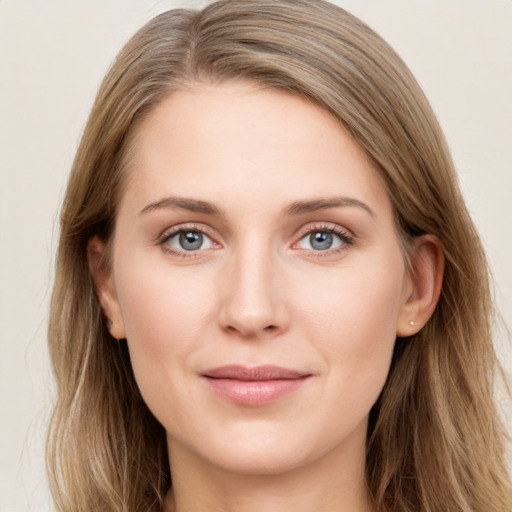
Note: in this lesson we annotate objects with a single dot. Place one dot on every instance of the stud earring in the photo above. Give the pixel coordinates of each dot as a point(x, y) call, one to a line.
point(412, 322)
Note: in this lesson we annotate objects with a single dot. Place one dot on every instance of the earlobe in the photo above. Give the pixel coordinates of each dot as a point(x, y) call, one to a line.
point(104, 285)
point(424, 285)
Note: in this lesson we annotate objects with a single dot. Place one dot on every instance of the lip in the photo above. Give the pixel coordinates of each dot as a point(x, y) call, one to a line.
point(253, 386)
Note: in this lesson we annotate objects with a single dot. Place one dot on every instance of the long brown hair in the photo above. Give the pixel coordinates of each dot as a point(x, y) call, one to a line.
point(435, 442)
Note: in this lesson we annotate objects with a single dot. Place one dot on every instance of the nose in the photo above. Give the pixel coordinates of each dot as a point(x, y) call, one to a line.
point(253, 300)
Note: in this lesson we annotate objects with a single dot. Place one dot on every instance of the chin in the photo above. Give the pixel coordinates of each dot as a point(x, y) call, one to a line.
point(273, 459)
point(268, 448)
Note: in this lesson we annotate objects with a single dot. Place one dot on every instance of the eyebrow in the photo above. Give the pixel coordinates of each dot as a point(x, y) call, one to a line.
point(295, 208)
point(323, 203)
point(183, 203)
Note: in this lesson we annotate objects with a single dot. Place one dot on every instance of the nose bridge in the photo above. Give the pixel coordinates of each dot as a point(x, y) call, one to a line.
point(253, 302)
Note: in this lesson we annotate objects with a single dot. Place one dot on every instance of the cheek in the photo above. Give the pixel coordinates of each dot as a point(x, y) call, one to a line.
point(161, 304)
point(352, 321)
point(165, 314)
point(361, 302)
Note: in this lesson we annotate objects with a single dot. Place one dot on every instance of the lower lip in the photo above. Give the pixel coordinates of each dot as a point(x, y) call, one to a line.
point(254, 392)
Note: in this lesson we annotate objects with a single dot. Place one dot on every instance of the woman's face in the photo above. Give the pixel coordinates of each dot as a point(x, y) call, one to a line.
point(258, 278)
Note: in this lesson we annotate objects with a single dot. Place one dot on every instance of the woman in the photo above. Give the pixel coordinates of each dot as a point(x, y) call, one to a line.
point(269, 293)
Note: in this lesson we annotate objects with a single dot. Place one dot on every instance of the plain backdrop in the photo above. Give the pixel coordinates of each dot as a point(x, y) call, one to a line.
point(53, 55)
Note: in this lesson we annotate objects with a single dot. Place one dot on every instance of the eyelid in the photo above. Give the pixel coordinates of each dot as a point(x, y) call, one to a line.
point(346, 236)
point(169, 233)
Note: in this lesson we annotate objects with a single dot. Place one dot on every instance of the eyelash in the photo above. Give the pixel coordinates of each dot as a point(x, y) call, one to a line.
point(346, 238)
point(168, 235)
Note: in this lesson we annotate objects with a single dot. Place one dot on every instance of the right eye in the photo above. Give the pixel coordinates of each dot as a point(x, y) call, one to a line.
point(186, 240)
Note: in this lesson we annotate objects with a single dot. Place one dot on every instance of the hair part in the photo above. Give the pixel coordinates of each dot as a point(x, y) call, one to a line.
point(435, 442)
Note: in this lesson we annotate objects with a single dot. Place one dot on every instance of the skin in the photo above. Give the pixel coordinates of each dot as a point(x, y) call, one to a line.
point(259, 291)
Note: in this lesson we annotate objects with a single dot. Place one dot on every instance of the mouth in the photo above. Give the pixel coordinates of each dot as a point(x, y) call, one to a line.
point(253, 386)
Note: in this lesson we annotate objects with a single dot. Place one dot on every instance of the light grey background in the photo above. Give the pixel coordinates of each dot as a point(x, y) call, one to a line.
point(53, 55)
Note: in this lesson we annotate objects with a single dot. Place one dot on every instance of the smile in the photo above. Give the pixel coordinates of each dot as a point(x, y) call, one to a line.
point(253, 386)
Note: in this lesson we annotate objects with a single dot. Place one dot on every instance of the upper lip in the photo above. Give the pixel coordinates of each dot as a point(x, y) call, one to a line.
point(255, 373)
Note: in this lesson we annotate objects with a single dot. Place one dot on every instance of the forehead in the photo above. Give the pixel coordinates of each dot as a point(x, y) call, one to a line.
point(237, 139)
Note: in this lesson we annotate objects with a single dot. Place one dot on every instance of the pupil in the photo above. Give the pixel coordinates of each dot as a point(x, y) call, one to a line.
point(321, 241)
point(191, 240)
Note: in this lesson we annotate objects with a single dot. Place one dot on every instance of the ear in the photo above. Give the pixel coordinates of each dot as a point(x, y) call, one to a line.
point(423, 286)
point(104, 284)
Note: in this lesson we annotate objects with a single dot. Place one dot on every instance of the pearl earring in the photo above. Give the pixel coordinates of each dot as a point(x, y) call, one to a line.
point(412, 322)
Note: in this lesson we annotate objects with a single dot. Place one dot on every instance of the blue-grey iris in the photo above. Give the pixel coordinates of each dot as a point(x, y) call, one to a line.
point(320, 240)
point(191, 240)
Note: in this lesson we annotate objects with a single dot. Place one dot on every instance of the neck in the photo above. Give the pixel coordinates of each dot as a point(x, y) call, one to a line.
point(334, 484)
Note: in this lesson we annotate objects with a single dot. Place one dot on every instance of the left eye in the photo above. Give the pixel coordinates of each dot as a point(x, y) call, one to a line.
point(321, 240)
point(189, 240)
